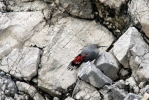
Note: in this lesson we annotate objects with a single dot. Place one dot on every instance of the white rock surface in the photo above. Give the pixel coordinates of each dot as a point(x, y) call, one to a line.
point(63, 42)
point(30, 90)
point(139, 11)
point(123, 72)
point(132, 51)
point(8, 88)
point(23, 5)
point(69, 98)
point(16, 28)
point(108, 64)
point(145, 96)
point(91, 74)
point(79, 8)
point(114, 92)
point(22, 63)
point(2, 7)
point(113, 3)
point(132, 83)
point(132, 96)
point(55, 98)
point(84, 91)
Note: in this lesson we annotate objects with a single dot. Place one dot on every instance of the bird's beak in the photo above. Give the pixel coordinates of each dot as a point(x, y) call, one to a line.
point(101, 46)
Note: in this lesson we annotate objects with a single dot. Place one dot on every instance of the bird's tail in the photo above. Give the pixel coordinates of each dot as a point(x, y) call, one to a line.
point(71, 66)
point(76, 62)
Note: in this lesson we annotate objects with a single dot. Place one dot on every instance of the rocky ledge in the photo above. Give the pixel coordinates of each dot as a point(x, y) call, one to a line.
point(39, 38)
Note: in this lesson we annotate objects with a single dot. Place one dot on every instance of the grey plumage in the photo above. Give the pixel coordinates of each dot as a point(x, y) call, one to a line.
point(88, 53)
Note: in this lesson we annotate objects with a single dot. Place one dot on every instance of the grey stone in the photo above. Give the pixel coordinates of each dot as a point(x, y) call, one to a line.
point(9, 98)
point(145, 96)
point(21, 97)
point(145, 89)
point(8, 88)
point(108, 64)
point(123, 72)
point(114, 92)
point(141, 84)
point(113, 15)
point(139, 11)
point(132, 51)
point(79, 8)
point(23, 5)
point(132, 96)
point(22, 63)
point(69, 98)
point(15, 29)
point(93, 75)
point(132, 83)
point(116, 4)
point(30, 90)
point(84, 91)
point(63, 42)
point(55, 98)
point(2, 7)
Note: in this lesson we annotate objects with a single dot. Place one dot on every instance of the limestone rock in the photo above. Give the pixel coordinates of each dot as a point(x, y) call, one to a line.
point(93, 75)
point(69, 98)
point(22, 63)
point(132, 83)
point(63, 42)
point(84, 91)
point(108, 64)
point(2, 7)
point(114, 92)
point(123, 72)
point(30, 90)
point(132, 96)
point(38, 39)
point(24, 5)
point(139, 11)
point(79, 8)
point(8, 88)
point(15, 29)
point(113, 14)
point(21, 97)
point(116, 4)
point(131, 49)
point(55, 98)
point(144, 90)
point(145, 96)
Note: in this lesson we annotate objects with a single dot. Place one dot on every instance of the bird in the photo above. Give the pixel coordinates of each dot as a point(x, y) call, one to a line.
point(88, 53)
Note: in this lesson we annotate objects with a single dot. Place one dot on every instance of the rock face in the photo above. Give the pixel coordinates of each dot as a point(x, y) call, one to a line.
point(113, 14)
point(66, 34)
point(79, 8)
point(22, 63)
point(108, 64)
point(132, 51)
point(24, 5)
point(15, 29)
point(132, 96)
point(94, 76)
point(84, 91)
point(8, 88)
point(39, 38)
point(30, 90)
point(2, 7)
point(139, 11)
point(113, 3)
point(114, 92)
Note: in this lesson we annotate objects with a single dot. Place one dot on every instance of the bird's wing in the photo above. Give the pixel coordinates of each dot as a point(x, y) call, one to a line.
point(91, 56)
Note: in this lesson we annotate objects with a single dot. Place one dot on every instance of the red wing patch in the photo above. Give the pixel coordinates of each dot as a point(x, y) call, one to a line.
point(79, 59)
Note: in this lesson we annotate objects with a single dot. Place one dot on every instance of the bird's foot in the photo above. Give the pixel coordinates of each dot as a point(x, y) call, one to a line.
point(70, 67)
